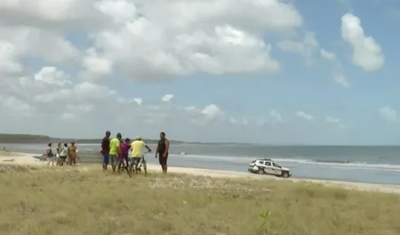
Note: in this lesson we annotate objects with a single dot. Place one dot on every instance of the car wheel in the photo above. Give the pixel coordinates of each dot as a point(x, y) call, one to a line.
point(260, 171)
point(285, 174)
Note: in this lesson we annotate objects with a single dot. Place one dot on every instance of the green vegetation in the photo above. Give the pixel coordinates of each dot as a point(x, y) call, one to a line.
point(73, 201)
point(21, 138)
point(265, 216)
point(40, 139)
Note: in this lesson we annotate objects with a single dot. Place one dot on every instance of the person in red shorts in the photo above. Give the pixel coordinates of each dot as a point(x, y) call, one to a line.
point(124, 153)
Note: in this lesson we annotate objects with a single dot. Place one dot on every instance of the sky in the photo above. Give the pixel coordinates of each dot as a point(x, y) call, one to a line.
point(251, 71)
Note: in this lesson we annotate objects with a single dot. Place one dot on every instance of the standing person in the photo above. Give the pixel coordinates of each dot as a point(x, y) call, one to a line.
point(50, 155)
point(124, 153)
point(114, 151)
point(58, 150)
point(162, 151)
point(105, 150)
point(63, 154)
point(137, 153)
point(72, 153)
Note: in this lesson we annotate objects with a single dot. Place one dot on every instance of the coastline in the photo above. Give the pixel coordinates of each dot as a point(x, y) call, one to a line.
point(29, 159)
point(332, 164)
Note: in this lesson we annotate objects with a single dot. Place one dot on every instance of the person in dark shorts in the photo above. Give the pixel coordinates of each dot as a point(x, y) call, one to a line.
point(50, 155)
point(105, 150)
point(63, 154)
point(162, 151)
point(137, 153)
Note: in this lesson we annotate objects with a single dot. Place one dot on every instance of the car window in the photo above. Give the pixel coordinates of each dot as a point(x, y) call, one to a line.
point(253, 161)
point(276, 165)
point(267, 163)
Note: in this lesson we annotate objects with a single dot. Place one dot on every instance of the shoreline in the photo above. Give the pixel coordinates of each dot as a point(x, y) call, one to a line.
point(29, 159)
point(90, 158)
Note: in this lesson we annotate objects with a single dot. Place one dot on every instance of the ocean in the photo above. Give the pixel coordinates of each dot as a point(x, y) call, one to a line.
point(369, 164)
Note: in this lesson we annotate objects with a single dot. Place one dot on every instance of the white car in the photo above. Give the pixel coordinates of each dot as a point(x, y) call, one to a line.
point(267, 166)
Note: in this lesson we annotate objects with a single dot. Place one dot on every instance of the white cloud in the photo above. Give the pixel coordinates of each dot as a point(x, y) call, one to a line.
point(211, 111)
point(337, 122)
point(167, 98)
point(304, 115)
point(63, 64)
point(61, 14)
point(139, 101)
point(145, 41)
point(53, 102)
point(307, 47)
point(96, 65)
point(366, 53)
point(388, 114)
point(186, 38)
point(275, 116)
point(327, 54)
point(330, 119)
point(119, 11)
point(341, 80)
point(51, 75)
point(73, 42)
point(9, 58)
point(24, 42)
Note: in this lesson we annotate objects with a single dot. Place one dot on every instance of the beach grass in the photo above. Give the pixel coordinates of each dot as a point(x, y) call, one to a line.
point(71, 201)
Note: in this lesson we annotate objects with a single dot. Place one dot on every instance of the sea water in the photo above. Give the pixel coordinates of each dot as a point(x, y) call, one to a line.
point(370, 164)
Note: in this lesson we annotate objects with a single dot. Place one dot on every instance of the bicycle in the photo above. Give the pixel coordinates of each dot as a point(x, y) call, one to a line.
point(137, 168)
point(123, 163)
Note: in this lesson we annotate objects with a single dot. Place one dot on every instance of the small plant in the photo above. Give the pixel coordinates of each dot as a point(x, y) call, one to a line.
point(265, 216)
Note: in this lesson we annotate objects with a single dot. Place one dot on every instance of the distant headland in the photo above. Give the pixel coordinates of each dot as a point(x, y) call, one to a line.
point(40, 139)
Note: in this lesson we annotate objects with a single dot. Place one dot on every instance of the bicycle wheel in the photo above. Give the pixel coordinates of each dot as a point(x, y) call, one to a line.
point(145, 167)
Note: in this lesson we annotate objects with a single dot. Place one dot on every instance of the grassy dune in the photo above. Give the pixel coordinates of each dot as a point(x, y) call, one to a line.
point(73, 202)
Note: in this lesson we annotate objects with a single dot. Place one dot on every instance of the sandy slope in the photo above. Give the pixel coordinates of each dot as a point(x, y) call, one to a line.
point(28, 159)
point(22, 158)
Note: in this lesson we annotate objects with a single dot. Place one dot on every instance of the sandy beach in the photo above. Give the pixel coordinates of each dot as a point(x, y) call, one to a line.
point(29, 159)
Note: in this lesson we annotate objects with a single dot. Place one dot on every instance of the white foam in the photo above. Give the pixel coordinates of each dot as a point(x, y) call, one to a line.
point(247, 159)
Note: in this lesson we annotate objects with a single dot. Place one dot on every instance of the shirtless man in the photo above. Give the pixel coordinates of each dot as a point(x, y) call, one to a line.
point(105, 150)
point(162, 151)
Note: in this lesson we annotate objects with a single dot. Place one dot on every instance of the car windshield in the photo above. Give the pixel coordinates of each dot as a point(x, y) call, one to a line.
point(276, 165)
point(253, 162)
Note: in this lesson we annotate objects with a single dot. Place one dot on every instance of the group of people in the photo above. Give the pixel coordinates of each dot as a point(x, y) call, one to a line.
point(120, 152)
point(116, 151)
point(64, 154)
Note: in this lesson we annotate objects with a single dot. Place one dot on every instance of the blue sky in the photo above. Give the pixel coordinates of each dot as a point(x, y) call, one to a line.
point(311, 88)
point(298, 86)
